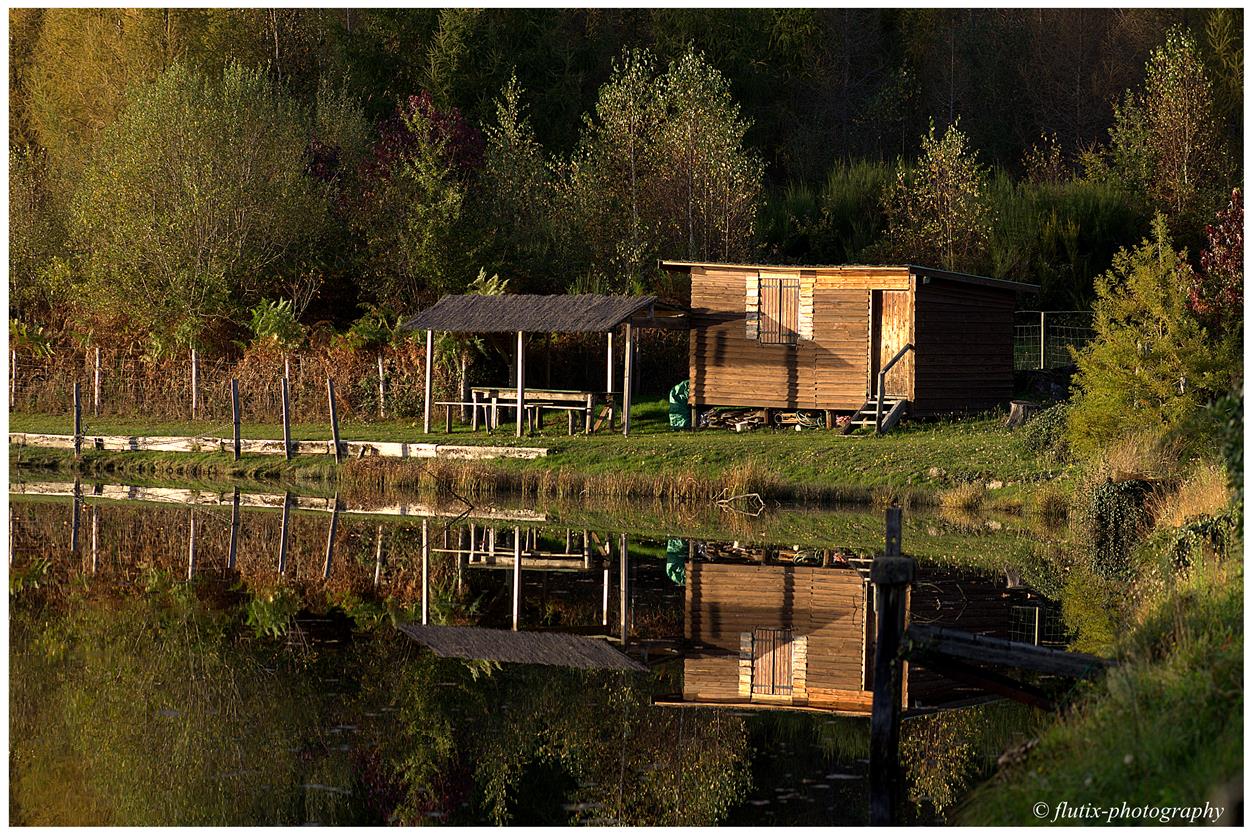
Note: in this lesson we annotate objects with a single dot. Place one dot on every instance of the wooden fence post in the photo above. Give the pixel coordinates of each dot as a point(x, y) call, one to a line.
point(234, 418)
point(891, 575)
point(1043, 340)
point(95, 388)
point(382, 388)
point(78, 420)
point(286, 419)
point(12, 377)
point(334, 419)
point(195, 384)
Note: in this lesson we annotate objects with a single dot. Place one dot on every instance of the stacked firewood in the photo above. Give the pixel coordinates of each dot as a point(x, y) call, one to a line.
point(743, 420)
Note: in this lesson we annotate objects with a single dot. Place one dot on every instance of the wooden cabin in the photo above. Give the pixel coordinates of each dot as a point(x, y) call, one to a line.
point(816, 338)
point(778, 635)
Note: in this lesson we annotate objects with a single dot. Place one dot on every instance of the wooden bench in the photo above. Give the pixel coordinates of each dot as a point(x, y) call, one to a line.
point(536, 400)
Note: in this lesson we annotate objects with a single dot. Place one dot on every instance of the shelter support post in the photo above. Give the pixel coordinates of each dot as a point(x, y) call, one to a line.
point(627, 374)
point(430, 375)
point(425, 571)
point(521, 380)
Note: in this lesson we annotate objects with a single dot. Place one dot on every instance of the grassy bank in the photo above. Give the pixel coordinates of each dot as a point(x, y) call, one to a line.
point(913, 464)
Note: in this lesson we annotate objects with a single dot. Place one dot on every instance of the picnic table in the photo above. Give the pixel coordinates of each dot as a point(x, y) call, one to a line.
point(491, 399)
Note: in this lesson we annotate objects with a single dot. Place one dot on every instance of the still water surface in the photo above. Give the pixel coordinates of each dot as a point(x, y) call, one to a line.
point(181, 661)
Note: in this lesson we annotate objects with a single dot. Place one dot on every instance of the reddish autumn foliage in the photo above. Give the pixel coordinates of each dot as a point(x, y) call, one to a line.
point(1217, 289)
point(399, 136)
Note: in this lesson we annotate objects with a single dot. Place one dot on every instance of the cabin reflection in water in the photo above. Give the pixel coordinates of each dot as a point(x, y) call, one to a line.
point(800, 634)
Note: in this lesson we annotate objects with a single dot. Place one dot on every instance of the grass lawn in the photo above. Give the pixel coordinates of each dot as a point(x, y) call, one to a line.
point(924, 455)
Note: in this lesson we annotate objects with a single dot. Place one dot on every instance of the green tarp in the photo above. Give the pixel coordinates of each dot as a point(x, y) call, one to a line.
point(679, 409)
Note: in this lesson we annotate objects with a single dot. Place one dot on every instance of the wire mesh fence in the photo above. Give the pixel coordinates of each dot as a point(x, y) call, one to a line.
point(1043, 339)
point(190, 387)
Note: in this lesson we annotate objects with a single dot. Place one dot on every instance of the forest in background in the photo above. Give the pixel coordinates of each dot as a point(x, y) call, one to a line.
point(211, 177)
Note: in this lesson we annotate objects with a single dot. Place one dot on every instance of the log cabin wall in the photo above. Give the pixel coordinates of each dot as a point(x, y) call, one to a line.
point(830, 370)
point(964, 339)
point(723, 601)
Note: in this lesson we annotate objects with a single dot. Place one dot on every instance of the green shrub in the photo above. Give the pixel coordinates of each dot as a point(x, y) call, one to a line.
point(275, 321)
point(1113, 520)
point(1044, 434)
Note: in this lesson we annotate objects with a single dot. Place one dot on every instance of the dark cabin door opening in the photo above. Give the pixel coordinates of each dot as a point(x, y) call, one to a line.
point(771, 662)
point(891, 319)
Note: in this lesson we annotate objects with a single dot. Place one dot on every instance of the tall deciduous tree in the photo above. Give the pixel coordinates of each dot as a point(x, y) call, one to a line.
point(938, 211)
point(196, 200)
point(1217, 289)
point(1166, 141)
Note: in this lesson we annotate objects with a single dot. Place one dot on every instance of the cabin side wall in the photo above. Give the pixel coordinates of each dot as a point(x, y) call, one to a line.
point(725, 600)
point(828, 371)
point(963, 334)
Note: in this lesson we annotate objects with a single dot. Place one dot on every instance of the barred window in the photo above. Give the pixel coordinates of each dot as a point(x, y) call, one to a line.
point(779, 310)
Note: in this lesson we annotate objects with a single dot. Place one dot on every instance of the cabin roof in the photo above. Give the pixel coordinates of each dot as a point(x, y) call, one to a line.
point(917, 269)
point(533, 313)
point(523, 647)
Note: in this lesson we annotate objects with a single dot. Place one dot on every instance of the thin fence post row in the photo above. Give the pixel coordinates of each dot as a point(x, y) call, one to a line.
point(12, 377)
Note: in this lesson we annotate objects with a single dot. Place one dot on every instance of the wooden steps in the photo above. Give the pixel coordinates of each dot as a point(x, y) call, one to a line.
point(893, 411)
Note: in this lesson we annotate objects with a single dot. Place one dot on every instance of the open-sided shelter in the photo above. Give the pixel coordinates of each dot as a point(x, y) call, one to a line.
point(524, 314)
point(820, 337)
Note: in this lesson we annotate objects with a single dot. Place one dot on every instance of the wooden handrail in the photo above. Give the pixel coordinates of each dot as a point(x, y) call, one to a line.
point(882, 384)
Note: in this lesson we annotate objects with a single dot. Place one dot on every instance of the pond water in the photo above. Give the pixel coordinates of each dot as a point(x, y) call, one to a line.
point(180, 658)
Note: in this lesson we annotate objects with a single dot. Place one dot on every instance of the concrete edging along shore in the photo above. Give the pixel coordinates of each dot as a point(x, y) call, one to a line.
point(213, 444)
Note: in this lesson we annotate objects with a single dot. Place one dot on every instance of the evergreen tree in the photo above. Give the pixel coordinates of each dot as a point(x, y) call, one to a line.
point(1152, 364)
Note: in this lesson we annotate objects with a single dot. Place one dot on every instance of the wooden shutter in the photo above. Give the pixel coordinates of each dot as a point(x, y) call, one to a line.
point(779, 309)
point(771, 662)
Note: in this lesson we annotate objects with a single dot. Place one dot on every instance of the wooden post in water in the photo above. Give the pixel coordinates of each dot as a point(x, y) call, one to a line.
point(282, 533)
point(286, 419)
point(233, 553)
point(378, 555)
point(191, 543)
point(78, 420)
point(75, 514)
point(95, 387)
point(95, 537)
point(330, 538)
point(334, 420)
point(623, 558)
point(891, 575)
point(425, 571)
point(608, 558)
point(382, 388)
point(234, 419)
point(427, 398)
point(517, 577)
point(195, 384)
